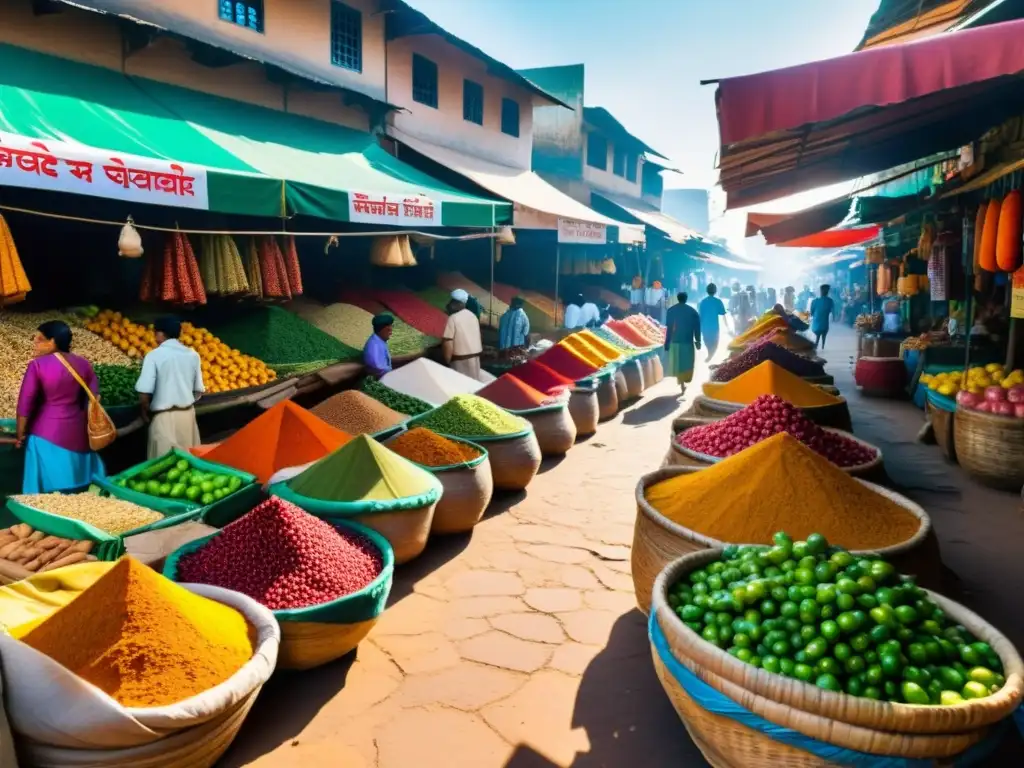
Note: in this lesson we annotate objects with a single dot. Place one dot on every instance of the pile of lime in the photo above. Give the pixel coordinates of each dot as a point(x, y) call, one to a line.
point(174, 478)
point(843, 622)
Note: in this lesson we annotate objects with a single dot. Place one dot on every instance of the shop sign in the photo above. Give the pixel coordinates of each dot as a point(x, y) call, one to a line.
point(395, 211)
point(1017, 297)
point(581, 232)
point(58, 166)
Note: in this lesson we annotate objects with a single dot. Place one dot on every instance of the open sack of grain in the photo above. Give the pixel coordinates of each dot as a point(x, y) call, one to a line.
point(200, 653)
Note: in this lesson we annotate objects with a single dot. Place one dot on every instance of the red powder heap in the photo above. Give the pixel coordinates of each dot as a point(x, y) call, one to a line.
point(284, 558)
point(511, 393)
point(561, 360)
point(629, 333)
point(541, 378)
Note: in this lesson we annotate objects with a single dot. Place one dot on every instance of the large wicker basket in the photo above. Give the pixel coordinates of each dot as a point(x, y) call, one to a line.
point(607, 397)
point(584, 409)
point(621, 388)
point(658, 541)
point(647, 366)
point(658, 367)
point(942, 427)
point(554, 427)
point(843, 721)
point(990, 448)
point(633, 374)
point(515, 459)
point(836, 415)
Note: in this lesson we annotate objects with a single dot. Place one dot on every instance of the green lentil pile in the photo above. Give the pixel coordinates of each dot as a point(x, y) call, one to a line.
point(393, 399)
point(472, 416)
point(117, 384)
point(282, 340)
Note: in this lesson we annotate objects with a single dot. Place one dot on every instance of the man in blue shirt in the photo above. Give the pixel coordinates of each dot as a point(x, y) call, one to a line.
point(711, 308)
point(514, 327)
point(821, 313)
point(170, 383)
point(376, 355)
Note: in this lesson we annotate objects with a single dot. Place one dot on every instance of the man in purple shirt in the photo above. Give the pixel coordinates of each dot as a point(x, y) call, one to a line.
point(376, 355)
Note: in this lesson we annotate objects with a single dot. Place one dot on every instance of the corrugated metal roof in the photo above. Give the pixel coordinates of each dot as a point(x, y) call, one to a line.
point(601, 119)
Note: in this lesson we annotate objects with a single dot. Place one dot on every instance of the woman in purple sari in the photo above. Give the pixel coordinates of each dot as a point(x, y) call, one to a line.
point(52, 416)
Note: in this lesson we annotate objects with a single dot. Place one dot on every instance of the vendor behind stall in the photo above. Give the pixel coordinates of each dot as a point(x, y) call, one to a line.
point(514, 327)
point(376, 355)
point(461, 343)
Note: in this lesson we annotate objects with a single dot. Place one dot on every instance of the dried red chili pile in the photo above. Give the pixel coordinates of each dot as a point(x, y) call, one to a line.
point(284, 558)
point(769, 415)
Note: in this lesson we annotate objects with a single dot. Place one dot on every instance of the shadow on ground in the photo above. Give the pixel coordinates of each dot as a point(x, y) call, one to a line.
point(652, 410)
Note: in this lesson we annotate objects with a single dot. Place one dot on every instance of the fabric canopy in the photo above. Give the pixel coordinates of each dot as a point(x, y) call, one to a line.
point(649, 215)
point(834, 238)
point(525, 188)
point(237, 158)
point(814, 124)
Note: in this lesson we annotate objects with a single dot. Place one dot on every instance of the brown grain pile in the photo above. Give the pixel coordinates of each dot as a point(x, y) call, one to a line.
point(356, 413)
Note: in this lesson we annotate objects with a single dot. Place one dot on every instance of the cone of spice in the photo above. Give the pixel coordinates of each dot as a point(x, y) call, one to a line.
point(770, 379)
point(513, 394)
point(542, 378)
point(431, 449)
point(357, 413)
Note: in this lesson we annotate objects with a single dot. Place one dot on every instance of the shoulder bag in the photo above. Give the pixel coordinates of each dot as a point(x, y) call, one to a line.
point(102, 431)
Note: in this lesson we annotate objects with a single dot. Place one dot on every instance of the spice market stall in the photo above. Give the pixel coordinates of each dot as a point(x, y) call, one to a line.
point(549, 415)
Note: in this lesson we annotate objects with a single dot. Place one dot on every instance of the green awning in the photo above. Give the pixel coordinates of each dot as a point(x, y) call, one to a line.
point(240, 158)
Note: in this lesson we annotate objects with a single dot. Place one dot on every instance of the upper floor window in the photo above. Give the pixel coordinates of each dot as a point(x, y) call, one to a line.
point(248, 14)
point(619, 161)
point(472, 102)
point(631, 163)
point(597, 151)
point(424, 80)
point(346, 37)
point(651, 182)
point(510, 117)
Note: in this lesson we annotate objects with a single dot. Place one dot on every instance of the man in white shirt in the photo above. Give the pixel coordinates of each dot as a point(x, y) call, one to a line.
point(461, 344)
point(590, 315)
point(169, 385)
point(574, 314)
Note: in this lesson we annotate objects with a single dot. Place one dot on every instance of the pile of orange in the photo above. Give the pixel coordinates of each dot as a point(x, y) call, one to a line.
point(224, 369)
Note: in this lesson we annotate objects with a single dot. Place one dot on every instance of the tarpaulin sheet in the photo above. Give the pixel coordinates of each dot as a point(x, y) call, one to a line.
point(834, 238)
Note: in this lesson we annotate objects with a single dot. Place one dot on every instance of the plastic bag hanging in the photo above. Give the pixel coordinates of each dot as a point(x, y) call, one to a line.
point(129, 242)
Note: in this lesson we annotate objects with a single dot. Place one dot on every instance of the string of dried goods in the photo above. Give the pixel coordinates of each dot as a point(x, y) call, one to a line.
point(14, 284)
point(172, 275)
point(221, 267)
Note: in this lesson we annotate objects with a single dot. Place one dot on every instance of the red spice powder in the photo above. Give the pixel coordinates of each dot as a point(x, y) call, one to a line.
point(509, 392)
point(629, 333)
point(563, 361)
point(541, 378)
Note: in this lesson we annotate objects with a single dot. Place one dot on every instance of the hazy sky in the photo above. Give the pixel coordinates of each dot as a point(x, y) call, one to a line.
point(644, 60)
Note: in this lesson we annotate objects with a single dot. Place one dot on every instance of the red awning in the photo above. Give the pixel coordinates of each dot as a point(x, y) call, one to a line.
point(835, 238)
point(758, 221)
point(817, 123)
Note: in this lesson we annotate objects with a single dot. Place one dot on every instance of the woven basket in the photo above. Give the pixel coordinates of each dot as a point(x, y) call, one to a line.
point(990, 448)
point(876, 727)
point(647, 367)
point(684, 457)
point(633, 374)
point(621, 387)
point(674, 457)
point(607, 398)
point(514, 459)
point(836, 415)
point(584, 410)
point(942, 427)
point(305, 645)
point(657, 367)
point(657, 541)
point(406, 530)
point(554, 427)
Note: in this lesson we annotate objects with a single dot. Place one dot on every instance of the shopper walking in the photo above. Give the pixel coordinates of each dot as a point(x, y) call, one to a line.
point(682, 336)
point(170, 384)
point(711, 309)
point(822, 309)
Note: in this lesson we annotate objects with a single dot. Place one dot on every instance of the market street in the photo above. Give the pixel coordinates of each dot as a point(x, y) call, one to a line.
point(520, 645)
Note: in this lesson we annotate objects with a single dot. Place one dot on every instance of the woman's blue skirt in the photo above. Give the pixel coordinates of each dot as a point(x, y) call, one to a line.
point(50, 468)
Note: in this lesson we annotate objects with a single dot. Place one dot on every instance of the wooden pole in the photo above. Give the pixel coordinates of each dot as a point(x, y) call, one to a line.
point(558, 269)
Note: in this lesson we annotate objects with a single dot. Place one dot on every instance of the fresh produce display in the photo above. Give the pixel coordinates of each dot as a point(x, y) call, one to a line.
point(174, 478)
point(282, 340)
point(117, 384)
point(356, 413)
point(472, 416)
point(353, 325)
point(977, 381)
point(393, 399)
point(24, 551)
point(283, 558)
point(769, 415)
point(871, 322)
point(765, 349)
point(419, 314)
point(767, 378)
point(110, 515)
point(845, 623)
point(916, 342)
point(224, 368)
point(996, 399)
point(781, 483)
point(431, 449)
point(144, 640)
point(14, 284)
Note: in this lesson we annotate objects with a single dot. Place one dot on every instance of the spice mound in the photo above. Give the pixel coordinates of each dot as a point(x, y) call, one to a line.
point(603, 346)
point(630, 334)
point(759, 329)
point(426, 380)
point(542, 378)
point(431, 449)
point(472, 416)
point(509, 392)
point(363, 470)
point(569, 363)
point(393, 399)
point(769, 379)
point(356, 413)
point(769, 415)
point(781, 484)
point(762, 350)
point(110, 515)
point(284, 558)
point(144, 640)
point(584, 349)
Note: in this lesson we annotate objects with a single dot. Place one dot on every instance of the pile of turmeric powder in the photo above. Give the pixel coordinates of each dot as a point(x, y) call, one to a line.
point(431, 449)
point(587, 351)
point(759, 329)
point(770, 379)
point(144, 640)
point(781, 485)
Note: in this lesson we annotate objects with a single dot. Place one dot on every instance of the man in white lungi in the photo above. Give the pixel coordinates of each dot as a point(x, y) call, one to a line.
point(169, 385)
point(461, 344)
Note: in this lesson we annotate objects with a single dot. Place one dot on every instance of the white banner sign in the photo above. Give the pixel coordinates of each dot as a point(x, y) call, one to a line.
point(397, 211)
point(581, 232)
point(62, 167)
